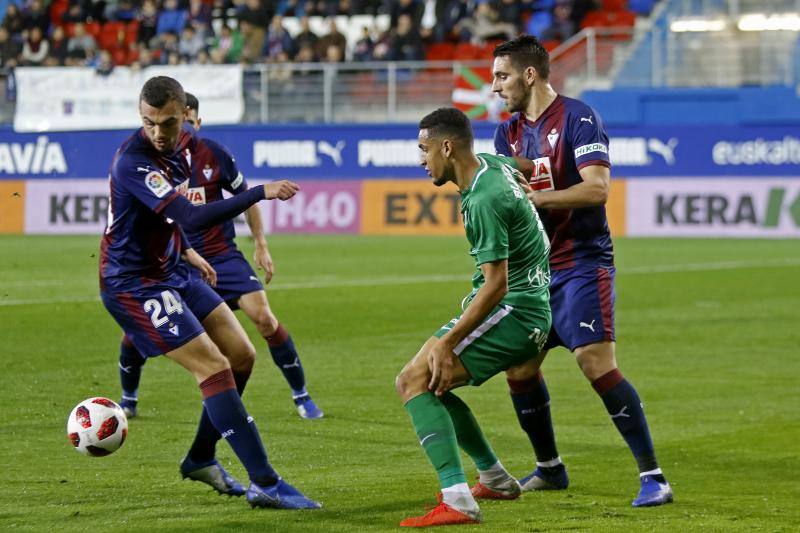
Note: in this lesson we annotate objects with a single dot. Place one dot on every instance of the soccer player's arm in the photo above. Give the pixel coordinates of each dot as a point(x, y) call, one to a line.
point(238, 185)
point(589, 143)
point(491, 246)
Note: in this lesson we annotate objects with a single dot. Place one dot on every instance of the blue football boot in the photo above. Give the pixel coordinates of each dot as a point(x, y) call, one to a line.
point(551, 479)
point(211, 473)
point(306, 408)
point(279, 496)
point(128, 407)
point(653, 493)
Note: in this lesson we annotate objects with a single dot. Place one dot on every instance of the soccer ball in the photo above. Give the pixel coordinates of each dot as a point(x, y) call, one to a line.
point(97, 427)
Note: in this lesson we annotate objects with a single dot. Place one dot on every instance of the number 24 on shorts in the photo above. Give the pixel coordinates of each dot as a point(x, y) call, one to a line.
point(171, 305)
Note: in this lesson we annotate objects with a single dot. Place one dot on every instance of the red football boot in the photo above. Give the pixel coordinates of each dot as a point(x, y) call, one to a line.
point(441, 515)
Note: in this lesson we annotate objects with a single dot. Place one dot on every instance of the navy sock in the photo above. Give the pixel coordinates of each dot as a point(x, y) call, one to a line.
point(623, 404)
point(532, 405)
point(226, 411)
point(285, 356)
point(204, 447)
point(130, 369)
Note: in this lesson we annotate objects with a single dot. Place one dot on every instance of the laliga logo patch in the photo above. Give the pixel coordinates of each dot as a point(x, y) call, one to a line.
point(542, 177)
point(208, 172)
point(157, 184)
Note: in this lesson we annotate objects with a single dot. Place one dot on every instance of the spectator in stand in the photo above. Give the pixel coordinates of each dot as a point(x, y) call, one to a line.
point(485, 25)
point(105, 63)
point(510, 11)
point(95, 10)
point(291, 8)
point(306, 54)
point(432, 11)
point(412, 8)
point(35, 48)
point(171, 18)
point(406, 44)
point(227, 46)
point(148, 22)
point(305, 36)
point(383, 46)
point(563, 27)
point(334, 37)
point(579, 9)
point(37, 17)
point(454, 12)
point(222, 10)
point(278, 40)
point(199, 17)
point(81, 41)
point(58, 48)
point(124, 10)
point(367, 7)
point(74, 14)
point(362, 51)
point(166, 45)
point(203, 58)
point(190, 44)
point(14, 22)
point(145, 58)
point(333, 54)
point(9, 50)
point(254, 18)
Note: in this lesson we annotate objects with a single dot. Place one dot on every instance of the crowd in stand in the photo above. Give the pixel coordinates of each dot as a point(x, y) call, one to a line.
point(105, 33)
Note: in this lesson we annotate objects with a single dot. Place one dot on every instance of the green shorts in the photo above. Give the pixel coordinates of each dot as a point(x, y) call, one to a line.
point(507, 337)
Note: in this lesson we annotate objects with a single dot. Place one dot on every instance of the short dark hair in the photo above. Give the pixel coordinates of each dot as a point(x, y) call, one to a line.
point(192, 102)
point(526, 51)
point(159, 90)
point(447, 122)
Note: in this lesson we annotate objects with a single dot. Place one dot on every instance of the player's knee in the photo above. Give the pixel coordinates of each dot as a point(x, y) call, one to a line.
point(523, 372)
point(266, 322)
point(243, 356)
point(410, 382)
point(594, 364)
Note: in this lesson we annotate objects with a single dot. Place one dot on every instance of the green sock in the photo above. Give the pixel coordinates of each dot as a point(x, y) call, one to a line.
point(437, 436)
point(468, 432)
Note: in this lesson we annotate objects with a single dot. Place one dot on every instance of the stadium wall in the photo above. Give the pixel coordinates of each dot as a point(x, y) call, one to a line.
point(667, 180)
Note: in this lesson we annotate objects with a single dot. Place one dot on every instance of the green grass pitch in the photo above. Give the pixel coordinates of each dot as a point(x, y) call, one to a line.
point(707, 333)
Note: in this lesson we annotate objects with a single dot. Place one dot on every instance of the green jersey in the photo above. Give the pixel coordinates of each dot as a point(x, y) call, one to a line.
point(501, 223)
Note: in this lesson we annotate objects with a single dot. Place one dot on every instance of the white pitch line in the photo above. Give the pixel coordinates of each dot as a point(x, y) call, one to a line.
point(330, 283)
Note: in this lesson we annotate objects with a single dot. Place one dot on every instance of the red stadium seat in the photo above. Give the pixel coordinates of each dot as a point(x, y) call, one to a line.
point(109, 34)
point(57, 10)
point(468, 51)
point(132, 31)
point(551, 45)
point(93, 29)
point(440, 52)
point(614, 5)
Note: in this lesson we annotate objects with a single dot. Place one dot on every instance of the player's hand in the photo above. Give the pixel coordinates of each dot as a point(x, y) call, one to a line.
point(526, 188)
point(264, 262)
point(441, 362)
point(207, 272)
point(282, 190)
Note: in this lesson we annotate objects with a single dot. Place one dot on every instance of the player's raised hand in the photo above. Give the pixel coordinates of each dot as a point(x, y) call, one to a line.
point(526, 188)
point(282, 190)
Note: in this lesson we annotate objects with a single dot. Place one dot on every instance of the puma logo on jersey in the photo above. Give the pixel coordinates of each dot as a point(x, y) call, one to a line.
point(514, 147)
point(589, 120)
point(589, 326)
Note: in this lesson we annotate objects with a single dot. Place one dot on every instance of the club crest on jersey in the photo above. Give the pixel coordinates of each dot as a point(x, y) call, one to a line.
point(542, 177)
point(157, 184)
point(552, 138)
point(208, 172)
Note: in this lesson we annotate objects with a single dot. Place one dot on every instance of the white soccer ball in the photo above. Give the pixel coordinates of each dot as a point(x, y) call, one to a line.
point(97, 426)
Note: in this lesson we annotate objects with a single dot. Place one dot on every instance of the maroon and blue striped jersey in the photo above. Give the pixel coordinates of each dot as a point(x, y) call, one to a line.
point(213, 170)
point(141, 246)
point(567, 137)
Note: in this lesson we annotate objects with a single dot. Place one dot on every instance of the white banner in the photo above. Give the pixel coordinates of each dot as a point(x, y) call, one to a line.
point(737, 207)
point(77, 98)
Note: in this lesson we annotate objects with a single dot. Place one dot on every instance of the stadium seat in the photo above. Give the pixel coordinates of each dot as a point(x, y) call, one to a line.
point(551, 45)
point(467, 51)
point(440, 52)
point(109, 34)
point(93, 29)
point(57, 10)
point(641, 7)
point(614, 5)
point(132, 31)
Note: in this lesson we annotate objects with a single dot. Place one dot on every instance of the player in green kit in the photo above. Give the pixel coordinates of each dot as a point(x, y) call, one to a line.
point(505, 320)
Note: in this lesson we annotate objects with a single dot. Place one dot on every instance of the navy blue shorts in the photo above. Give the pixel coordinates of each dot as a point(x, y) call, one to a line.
point(163, 317)
point(582, 300)
point(235, 277)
